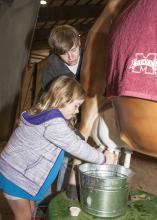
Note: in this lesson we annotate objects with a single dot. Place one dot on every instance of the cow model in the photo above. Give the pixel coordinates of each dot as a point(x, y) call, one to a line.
point(120, 121)
point(93, 81)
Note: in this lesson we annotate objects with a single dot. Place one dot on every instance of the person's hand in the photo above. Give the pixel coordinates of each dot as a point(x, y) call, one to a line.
point(111, 157)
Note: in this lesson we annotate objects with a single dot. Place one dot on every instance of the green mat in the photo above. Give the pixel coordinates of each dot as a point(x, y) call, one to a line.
point(143, 206)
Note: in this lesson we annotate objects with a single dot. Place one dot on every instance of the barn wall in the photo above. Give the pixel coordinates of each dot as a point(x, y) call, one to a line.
point(17, 21)
point(30, 88)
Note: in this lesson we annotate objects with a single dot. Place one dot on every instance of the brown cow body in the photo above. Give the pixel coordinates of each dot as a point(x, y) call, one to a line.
point(136, 118)
point(92, 77)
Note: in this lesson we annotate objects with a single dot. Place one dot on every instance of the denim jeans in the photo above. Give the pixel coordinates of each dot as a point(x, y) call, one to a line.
point(61, 174)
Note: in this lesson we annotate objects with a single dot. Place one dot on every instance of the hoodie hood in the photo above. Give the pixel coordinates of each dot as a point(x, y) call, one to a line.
point(41, 117)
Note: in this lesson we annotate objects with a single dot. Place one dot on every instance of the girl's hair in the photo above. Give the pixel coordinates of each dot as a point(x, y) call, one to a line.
point(62, 38)
point(63, 90)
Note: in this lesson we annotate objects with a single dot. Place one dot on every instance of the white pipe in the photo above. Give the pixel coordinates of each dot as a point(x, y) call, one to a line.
point(127, 158)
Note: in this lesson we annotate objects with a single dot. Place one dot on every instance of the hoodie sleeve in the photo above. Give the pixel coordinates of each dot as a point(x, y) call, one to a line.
point(58, 132)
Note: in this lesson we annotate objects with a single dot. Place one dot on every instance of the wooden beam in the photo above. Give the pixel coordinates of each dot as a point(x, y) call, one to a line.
point(43, 43)
point(6, 1)
point(38, 45)
point(51, 13)
point(42, 34)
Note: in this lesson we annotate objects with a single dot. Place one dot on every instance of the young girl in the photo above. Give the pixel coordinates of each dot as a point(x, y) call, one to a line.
point(34, 153)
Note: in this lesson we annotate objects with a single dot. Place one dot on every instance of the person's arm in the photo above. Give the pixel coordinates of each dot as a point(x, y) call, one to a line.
point(58, 132)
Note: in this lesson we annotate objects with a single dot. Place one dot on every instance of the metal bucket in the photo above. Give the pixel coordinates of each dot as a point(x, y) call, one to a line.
point(104, 189)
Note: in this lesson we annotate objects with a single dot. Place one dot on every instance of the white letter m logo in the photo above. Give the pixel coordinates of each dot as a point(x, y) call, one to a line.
point(146, 64)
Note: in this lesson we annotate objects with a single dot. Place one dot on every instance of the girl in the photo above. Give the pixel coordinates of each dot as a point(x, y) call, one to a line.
point(34, 153)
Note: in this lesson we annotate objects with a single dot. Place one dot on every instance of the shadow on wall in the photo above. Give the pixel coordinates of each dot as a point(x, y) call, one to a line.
point(14, 55)
point(9, 112)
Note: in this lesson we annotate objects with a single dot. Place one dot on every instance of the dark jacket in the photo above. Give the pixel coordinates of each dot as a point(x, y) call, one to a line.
point(56, 67)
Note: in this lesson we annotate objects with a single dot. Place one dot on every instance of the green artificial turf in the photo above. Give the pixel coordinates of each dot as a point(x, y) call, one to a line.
point(142, 206)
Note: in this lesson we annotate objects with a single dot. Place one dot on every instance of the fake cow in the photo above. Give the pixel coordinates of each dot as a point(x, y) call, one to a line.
point(92, 80)
point(121, 61)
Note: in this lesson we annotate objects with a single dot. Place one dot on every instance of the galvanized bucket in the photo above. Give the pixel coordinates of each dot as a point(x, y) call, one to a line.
point(104, 189)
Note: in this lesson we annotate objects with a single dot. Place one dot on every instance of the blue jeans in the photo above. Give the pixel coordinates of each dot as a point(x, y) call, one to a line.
point(61, 174)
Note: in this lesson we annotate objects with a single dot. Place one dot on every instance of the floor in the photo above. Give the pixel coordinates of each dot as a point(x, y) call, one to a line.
point(145, 179)
point(145, 169)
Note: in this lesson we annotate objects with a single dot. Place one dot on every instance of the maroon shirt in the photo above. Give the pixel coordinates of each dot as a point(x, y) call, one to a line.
point(132, 61)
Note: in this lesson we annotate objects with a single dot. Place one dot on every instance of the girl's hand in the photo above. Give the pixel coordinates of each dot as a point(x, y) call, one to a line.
point(111, 157)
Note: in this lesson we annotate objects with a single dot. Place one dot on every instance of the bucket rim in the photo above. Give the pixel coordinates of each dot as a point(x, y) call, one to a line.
point(115, 168)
